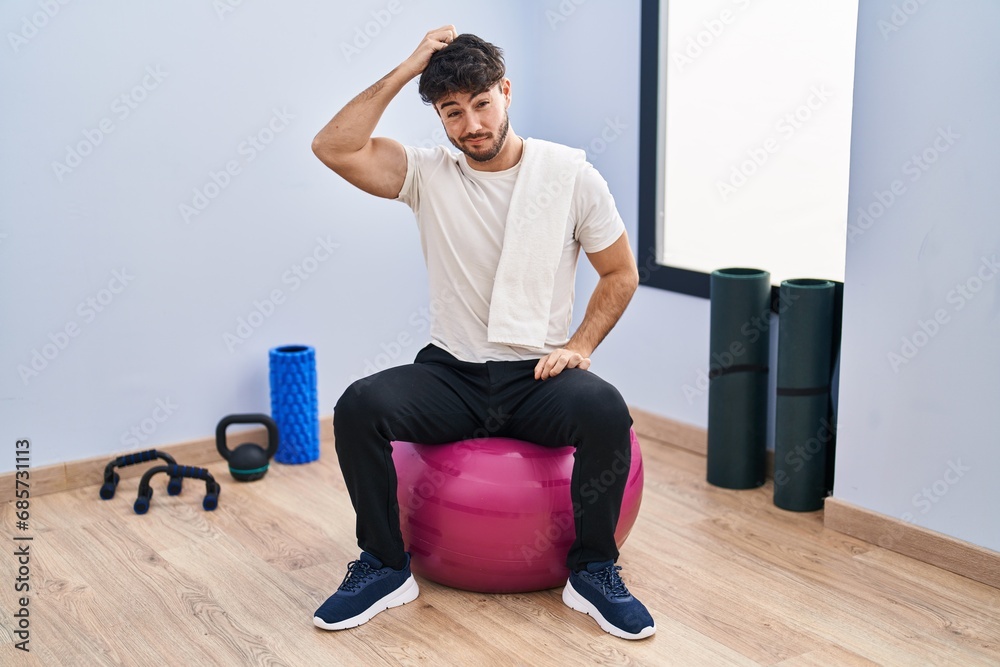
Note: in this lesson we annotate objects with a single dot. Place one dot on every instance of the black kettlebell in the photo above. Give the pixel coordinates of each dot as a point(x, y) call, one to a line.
point(249, 461)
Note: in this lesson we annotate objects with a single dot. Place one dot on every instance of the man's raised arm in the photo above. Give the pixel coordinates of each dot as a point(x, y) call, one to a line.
point(375, 165)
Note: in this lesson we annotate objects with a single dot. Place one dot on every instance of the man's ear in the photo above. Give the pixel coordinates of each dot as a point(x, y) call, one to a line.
point(505, 90)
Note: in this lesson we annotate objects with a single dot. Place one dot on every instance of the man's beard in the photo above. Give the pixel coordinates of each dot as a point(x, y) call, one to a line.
point(489, 153)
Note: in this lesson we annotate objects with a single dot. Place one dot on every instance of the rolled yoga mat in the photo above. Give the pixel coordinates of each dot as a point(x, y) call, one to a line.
point(294, 405)
point(804, 428)
point(737, 390)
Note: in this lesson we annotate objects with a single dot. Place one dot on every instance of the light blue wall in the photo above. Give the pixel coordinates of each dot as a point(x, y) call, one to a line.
point(919, 397)
point(154, 357)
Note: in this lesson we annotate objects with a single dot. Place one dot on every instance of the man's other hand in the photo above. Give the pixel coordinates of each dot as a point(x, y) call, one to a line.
point(554, 362)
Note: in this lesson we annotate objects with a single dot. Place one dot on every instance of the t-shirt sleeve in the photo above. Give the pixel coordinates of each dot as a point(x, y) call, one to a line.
point(407, 193)
point(421, 163)
point(598, 223)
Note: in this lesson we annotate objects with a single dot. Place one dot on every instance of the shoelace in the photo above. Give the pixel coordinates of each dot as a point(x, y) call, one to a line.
point(610, 582)
point(358, 573)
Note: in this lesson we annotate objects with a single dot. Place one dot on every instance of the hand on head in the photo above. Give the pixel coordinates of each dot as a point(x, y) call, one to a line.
point(433, 41)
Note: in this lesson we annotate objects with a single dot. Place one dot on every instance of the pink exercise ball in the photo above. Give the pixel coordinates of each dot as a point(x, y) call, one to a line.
point(494, 515)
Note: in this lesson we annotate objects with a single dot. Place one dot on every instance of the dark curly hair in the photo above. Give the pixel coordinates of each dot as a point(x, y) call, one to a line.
point(467, 65)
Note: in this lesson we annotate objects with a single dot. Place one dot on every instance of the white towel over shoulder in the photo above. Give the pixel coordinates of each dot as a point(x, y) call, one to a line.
point(533, 243)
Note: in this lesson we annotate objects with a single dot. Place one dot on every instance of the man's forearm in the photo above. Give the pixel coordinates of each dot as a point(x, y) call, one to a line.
point(606, 305)
point(353, 125)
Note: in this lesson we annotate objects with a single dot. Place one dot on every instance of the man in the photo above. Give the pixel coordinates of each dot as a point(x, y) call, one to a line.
point(488, 355)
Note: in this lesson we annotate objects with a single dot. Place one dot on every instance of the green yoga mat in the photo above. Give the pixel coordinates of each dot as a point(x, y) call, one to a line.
point(737, 390)
point(804, 429)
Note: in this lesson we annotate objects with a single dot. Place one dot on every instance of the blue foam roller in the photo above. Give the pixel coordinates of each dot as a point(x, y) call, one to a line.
point(294, 405)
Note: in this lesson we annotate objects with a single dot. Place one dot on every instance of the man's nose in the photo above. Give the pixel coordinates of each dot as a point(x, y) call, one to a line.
point(473, 125)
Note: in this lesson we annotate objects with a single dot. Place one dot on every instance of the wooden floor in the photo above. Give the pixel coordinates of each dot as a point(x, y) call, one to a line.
point(730, 580)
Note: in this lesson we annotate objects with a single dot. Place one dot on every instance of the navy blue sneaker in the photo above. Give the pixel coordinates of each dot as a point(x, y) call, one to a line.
point(601, 593)
point(368, 589)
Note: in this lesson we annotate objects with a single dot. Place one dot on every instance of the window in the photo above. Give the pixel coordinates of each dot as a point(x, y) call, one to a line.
point(745, 123)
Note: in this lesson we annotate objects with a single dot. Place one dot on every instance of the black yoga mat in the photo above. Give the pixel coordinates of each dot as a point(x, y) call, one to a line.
point(737, 390)
point(804, 429)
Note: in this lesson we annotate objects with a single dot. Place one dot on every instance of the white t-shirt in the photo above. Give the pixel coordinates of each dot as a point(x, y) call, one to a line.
point(461, 214)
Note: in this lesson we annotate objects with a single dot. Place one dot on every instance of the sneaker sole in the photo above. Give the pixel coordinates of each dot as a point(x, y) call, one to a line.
point(577, 602)
point(407, 592)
